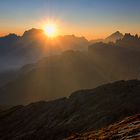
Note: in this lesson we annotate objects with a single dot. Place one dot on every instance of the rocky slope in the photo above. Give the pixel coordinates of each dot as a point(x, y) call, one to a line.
point(83, 111)
point(127, 129)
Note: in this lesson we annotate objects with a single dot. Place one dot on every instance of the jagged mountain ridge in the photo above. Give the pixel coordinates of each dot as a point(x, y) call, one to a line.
point(83, 111)
point(34, 45)
point(114, 37)
point(129, 41)
point(59, 75)
point(111, 38)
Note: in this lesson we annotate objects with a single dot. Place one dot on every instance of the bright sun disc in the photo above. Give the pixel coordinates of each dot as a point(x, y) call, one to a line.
point(50, 30)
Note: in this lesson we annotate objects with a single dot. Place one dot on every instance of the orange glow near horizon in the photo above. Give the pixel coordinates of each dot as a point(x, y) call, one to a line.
point(54, 28)
point(51, 30)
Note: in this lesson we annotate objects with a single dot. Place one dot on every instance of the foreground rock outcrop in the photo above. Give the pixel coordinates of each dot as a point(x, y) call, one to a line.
point(128, 129)
point(83, 111)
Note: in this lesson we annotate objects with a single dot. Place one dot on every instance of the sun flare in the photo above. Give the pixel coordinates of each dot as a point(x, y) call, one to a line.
point(50, 30)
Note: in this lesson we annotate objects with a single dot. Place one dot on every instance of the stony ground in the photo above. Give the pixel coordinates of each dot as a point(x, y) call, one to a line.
point(128, 129)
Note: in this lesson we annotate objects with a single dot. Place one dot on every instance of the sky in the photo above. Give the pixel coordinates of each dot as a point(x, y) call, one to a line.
point(90, 18)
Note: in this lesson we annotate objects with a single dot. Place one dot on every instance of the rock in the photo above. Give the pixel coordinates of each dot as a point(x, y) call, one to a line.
point(83, 111)
point(127, 129)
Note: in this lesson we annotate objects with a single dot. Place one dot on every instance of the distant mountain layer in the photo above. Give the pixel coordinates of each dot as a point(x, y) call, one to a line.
point(59, 75)
point(34, 45)
point(111, 38)
point(81, 112)
point(129, 41)
point(114, 37)
point(127, 129)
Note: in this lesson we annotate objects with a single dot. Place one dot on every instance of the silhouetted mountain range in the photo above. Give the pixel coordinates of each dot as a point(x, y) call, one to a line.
point(129, 41)
point(82, 111)
point(33, 45)
point(58, 75)
point(55, 73)
point(114, 37)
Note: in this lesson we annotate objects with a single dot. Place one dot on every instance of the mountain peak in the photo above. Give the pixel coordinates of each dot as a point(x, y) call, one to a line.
point(32, 32)
point(114, 37)
point(117, 32)
point(10, 35)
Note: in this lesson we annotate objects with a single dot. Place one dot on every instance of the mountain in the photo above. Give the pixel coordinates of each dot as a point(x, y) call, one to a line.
point(52, 77)
point(111, 38)
point(58, 75)
point(129, 41)
point(126, 129)
point(34, 45)
point(82, 111)
point(114, 37)
point(120, 61)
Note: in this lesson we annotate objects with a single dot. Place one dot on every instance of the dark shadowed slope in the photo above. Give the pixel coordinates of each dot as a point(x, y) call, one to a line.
point(83, 111)
point(127, 129)
point(53, 77)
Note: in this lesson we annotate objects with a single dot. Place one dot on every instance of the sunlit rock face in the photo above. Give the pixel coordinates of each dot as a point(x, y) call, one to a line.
point(83, 111)
point(126, 129)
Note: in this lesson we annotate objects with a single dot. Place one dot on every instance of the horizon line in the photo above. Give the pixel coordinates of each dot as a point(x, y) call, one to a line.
point(59, 35)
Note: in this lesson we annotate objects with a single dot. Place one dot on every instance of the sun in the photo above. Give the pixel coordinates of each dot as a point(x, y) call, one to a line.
point(50, 30)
